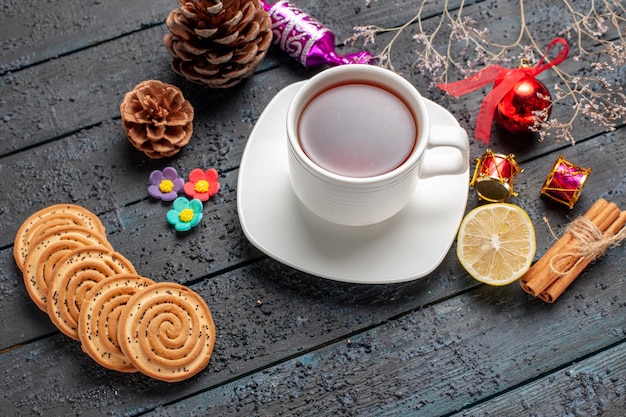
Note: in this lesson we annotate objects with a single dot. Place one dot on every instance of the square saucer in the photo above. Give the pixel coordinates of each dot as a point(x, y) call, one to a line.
point(405, 247)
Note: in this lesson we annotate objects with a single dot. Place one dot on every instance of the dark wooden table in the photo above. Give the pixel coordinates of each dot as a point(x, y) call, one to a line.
point(288, 343)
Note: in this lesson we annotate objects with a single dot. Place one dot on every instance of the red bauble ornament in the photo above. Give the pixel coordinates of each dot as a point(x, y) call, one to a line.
point(519, 108)
point(517, 96)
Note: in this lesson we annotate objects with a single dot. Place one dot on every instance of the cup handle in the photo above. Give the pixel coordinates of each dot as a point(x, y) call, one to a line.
point(447, 152)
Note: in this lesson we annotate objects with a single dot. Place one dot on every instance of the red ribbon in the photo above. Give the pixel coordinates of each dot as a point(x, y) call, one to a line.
point(505, 79)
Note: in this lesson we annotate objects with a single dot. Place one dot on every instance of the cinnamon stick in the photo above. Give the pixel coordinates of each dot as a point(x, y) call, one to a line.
point(536, 279)
point(570, 257)
point(562, 282)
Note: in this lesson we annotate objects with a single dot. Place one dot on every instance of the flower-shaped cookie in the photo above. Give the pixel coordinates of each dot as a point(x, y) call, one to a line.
point(185, 214)
point(201, 184)
point(165, 185)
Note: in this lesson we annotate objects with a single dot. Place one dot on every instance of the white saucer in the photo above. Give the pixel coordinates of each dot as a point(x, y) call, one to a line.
point(407, 246)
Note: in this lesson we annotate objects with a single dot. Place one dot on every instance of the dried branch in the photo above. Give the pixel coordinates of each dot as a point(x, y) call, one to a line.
point(596, 32)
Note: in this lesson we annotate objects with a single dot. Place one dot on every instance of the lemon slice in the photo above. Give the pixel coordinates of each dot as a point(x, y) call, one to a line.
point(496, 243)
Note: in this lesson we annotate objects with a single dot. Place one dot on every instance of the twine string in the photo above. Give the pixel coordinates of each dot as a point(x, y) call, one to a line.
point(592, 244)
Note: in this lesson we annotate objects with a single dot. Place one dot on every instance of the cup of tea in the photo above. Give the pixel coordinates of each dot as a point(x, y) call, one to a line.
point(359, 140)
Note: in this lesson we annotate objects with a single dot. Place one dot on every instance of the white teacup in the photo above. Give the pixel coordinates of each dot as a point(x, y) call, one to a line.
point(369, 132)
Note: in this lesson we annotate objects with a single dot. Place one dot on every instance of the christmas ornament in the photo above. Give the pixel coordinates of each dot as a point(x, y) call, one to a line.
point(157, 119)
point(565, 182)
point(494, 176)
point(510, 100)
point(529, 100)
point(306, 39)
point(218, 42)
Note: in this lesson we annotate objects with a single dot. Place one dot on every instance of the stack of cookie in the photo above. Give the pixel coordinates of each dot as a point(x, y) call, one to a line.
point(93, 294)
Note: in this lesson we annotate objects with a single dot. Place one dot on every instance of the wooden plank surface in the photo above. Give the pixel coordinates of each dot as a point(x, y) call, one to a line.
point(70, 100)
point(94, 114)
point(434, 361)
point(86, 86)
point(593, 386)
point(224, 242)
point(32, 34)
point(288, 343)
point(265, 334)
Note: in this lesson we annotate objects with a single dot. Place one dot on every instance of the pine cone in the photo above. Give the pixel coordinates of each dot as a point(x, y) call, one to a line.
point(218, 42)
point(157, 118)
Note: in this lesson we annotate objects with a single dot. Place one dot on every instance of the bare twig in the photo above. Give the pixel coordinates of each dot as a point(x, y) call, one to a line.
point(598, 95)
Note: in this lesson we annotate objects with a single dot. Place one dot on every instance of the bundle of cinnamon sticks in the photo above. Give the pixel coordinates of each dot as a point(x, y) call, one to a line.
point(585, 240)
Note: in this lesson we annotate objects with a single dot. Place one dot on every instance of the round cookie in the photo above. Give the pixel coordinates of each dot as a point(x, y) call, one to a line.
point(73, 276)
point(46, 217)
point(167, 332)
point(98, 319)
point(47, 249)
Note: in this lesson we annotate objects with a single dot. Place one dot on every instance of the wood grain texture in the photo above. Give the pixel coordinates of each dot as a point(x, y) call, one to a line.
point(299, 313)
point(86, 87)
point(287, 343)
point(593, 386)
point(32, 33)
point(434, 361)
point(142, 235)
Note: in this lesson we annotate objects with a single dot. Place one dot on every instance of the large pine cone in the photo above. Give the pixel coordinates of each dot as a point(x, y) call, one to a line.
point(157, 118)
point(218, 42)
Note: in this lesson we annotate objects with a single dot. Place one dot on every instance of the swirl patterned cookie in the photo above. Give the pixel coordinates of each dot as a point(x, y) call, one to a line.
point(167, 332)
point(72, 278)
point(99, 315)
point(47, 217)
point(125, 322)
point(46, 251)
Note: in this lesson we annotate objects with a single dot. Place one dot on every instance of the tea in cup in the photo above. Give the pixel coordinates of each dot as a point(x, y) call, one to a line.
point(360, 139)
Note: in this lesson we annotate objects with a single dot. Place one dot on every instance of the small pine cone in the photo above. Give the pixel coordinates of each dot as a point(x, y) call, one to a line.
point(218, 42)
point(157, 118)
